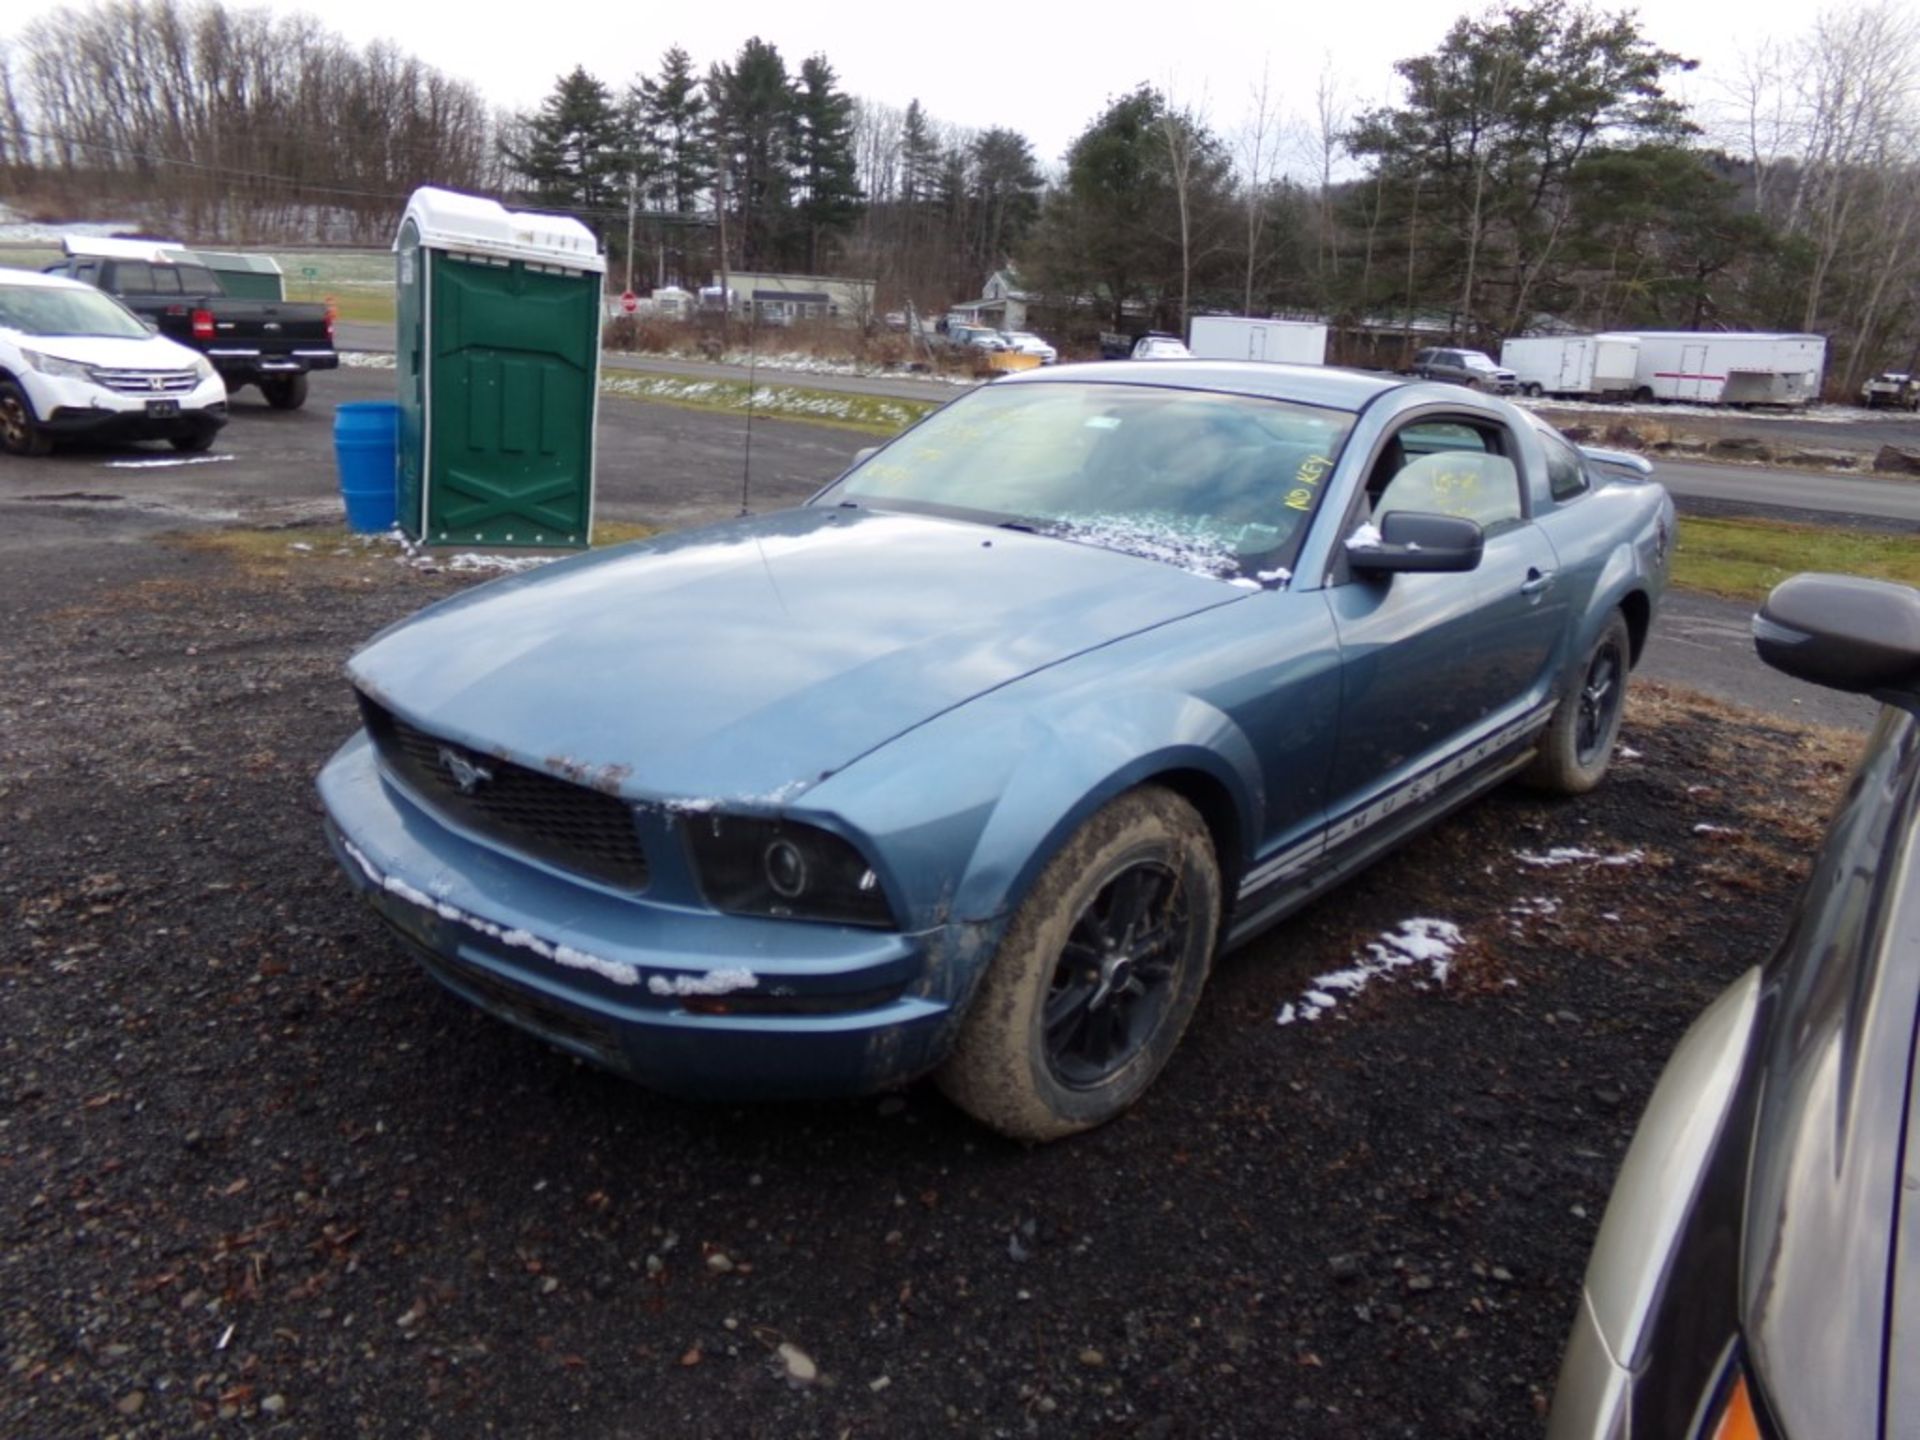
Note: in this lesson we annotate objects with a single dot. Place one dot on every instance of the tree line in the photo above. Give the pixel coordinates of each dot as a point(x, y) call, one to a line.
point(232, 123)
point(1537, 167)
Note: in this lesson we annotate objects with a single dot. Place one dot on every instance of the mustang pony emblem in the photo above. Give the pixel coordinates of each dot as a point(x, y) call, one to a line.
point(467, 775)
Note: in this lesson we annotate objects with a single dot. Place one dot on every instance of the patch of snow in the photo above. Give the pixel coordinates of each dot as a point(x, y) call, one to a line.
point(1179, 540)
point(1705, 829)
point(1627, 752)
point(168, 464)
point(1574, 855)
point(1413, 943)
point(366, 360)
point(474, 563)
point(1274, 577)
point(1367, 537)
point(1816, 414)
point(619, 972)
point(714, 982)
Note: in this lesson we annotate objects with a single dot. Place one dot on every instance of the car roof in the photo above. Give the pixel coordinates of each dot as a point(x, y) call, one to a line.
point(9, 276)
point(1320, 385)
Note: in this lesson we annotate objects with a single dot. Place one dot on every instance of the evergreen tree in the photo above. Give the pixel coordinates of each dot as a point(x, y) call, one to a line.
point(830, 199)
point(753, 131)
point(673, 113)
point(1006, 194)
point(574, 150)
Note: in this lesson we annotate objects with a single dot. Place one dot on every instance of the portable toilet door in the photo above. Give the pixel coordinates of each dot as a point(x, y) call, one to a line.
point(499, 359)
point(409, 361)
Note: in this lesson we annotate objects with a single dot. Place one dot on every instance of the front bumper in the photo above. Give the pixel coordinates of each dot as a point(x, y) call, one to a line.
point(70, 407)
point(607, 986)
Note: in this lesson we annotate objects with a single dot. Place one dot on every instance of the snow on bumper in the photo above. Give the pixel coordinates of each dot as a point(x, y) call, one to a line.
point(836, 1011)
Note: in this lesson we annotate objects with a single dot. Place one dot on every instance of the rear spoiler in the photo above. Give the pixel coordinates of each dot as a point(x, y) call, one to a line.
point(1625, 459)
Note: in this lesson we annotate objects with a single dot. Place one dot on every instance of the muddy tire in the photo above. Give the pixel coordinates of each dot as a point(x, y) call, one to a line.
point(287, 392)
point(1097, 976)
point(1577, 746)
point(20, 432)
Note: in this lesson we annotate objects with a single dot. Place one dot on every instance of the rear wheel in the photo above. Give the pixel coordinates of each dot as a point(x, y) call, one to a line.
point(285, 392)
point(1577, 746)
point(1643, 396)
point(20, 433)
point(1097, 976)
point(1532, 390)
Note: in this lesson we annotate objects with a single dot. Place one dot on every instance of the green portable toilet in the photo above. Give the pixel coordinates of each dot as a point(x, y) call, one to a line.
point(498, 352)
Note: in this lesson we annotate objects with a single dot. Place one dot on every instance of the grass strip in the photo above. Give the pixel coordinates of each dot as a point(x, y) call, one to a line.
point(868, 414)
point(1744, 559)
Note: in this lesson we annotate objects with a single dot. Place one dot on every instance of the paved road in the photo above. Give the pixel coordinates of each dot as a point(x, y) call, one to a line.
point(666, 466)
point(1891, 503)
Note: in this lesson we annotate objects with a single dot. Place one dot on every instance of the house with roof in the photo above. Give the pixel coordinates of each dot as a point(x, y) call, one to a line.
point(787, 299)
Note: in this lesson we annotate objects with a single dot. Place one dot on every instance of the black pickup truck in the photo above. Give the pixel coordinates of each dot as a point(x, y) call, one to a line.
point(269, 343)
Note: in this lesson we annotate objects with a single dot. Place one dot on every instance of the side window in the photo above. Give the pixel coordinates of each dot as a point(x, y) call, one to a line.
point(87, 270)
point(133, 277)
point(166, 280)
point(1566, 475)
point(1447, 467)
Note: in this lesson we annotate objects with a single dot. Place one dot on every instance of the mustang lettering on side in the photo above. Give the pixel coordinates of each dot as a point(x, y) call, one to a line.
point(972, 764)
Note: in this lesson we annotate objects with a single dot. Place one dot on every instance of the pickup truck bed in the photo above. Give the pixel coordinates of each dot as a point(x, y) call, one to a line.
point(269, 343)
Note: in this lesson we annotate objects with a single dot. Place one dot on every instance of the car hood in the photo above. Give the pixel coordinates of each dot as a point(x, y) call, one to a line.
point(748, 661)
point(148, 352)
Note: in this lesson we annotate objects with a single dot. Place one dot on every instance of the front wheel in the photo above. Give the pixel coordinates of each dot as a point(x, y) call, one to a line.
point(1577, 745)
point(1097, 976)
point(20, 433)
point(285, 392)
point(192, 442)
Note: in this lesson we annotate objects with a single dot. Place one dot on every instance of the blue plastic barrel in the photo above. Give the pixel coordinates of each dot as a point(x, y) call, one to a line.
point(364, 444)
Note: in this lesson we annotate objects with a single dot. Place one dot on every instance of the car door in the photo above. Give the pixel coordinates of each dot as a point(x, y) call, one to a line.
point(1434, 665)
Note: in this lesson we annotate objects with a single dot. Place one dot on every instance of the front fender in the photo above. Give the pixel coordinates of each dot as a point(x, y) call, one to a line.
point(1085, 758)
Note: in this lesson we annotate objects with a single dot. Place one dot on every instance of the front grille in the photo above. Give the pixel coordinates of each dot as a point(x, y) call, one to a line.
point(568, 826)
point(147, 382)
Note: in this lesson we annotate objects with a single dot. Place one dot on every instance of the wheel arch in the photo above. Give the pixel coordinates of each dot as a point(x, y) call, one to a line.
point(1100, 753)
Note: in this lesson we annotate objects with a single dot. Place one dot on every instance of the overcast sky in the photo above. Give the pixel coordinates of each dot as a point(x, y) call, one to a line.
point(1044, 68)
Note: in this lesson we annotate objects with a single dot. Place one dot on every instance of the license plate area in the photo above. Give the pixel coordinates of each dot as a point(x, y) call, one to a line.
point(163, 409)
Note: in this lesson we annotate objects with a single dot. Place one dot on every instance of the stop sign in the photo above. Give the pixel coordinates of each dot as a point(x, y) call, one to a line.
point(629, 302)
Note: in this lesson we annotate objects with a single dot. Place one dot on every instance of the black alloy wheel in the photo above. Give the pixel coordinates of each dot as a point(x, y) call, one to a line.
point(1114, 979)
point(1601, 693)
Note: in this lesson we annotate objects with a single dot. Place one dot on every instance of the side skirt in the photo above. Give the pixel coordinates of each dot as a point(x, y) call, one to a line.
point(1358, 840)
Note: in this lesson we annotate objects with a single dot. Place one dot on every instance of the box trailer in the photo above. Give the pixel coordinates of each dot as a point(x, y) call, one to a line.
point(1584, 367)
point(1240, 337)
point(1730, 368)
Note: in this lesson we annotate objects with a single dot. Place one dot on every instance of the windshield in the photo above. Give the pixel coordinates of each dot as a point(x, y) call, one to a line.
point(1218, 484)
point(56, 310)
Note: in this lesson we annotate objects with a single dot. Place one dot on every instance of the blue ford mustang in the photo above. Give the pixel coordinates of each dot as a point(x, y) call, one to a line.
point(972, 764)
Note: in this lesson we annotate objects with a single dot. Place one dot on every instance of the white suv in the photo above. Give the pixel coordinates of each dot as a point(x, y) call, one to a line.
point(76, 362)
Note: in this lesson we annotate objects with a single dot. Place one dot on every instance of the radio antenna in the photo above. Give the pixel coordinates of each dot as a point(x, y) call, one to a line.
point(746, 465)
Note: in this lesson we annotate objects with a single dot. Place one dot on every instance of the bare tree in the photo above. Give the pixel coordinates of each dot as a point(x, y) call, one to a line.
point(1259, 163)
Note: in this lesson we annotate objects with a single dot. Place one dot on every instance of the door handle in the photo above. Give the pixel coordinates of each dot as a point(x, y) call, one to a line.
point(1537, 582)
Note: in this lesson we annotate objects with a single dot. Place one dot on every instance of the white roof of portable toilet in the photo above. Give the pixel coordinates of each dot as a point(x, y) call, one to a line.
point(448, 220)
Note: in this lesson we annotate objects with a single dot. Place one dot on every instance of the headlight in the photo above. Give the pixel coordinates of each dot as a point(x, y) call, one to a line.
point(786, 871)
point(203, 369)
point(54, 365)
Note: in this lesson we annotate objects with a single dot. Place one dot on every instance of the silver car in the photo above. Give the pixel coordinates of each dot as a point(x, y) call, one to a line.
point(1757, 1274)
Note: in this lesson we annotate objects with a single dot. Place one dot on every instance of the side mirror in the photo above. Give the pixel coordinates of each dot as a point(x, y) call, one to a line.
point(1844, 632)
point(1409, 541)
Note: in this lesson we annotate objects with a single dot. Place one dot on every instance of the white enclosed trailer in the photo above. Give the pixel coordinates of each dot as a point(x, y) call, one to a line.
point(1729, 369)
point(1579, 366)
point(1239, 337)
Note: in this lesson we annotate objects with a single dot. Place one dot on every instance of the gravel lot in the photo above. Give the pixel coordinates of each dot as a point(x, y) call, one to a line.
point(257, 1173)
